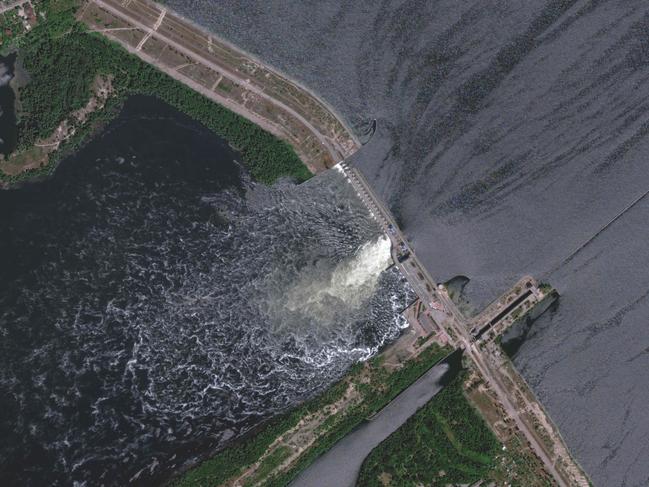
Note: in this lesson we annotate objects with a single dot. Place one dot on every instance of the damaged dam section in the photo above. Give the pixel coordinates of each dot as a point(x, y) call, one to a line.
point(506, 137)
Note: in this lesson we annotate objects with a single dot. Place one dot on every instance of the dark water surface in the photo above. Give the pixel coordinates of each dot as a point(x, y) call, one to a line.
point(508, 133)
point(8, 127)
point(155, 303)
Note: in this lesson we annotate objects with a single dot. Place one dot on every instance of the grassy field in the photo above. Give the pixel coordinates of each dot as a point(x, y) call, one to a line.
point(377, 388)
point(62, 60)
point(446, 442)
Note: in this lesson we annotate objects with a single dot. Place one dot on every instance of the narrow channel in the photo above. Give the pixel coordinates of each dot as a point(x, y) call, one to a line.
point(8, 127)
point(341, 465)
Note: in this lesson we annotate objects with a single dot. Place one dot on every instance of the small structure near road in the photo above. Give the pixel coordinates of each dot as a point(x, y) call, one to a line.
point(504, 311)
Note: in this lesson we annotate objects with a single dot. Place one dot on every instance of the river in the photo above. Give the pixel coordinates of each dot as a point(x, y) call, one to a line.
point(341, 465)
point(508, 134)
point(155, 303)
point(8, 128)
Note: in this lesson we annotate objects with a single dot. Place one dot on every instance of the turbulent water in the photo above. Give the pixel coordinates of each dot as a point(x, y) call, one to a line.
point(155, 303)
point(509, 133)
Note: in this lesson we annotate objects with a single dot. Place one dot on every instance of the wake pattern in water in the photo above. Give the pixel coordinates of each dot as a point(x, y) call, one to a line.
point(155, 305)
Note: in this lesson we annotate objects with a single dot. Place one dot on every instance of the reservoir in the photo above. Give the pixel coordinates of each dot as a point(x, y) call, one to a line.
point(155, 303)
point(507, 135)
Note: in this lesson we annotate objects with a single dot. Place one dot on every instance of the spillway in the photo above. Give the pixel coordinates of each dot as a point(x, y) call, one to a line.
point(508, 134)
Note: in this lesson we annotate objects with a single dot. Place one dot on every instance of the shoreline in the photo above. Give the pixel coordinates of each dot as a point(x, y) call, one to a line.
point(265, 156)
point(227, 75)
point(318, 423)
point(341, 119)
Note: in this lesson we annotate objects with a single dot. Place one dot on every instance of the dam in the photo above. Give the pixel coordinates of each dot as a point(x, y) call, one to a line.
point(501, 147)
point(156, 303)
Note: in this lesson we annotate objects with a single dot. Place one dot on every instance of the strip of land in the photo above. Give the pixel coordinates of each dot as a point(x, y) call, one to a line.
point(226, 75)
point(518, 406)
point(58, 64)
point(287, 445)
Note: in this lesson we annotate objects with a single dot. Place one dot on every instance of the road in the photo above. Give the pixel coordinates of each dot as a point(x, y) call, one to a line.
point(12, 5)
point(457, 323)
point(158, 22)
point(115, 7)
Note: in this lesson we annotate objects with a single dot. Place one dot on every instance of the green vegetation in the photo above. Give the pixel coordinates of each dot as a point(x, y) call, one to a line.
point(247, 451)
point(63, 59)
point(545, 287)
point(377, 387)
point(271, 462)
point(518, 467)
point(446, 442)
point(61, 70)
point(12, 26)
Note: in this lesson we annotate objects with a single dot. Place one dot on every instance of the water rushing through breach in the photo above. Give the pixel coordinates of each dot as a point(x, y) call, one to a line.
point(155, 303)
point(349, 283)
point(508, 134)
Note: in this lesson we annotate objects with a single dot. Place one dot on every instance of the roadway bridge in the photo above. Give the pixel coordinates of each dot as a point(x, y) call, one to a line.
point(485, 358)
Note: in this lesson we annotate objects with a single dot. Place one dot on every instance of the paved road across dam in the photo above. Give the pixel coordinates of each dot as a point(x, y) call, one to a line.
point(485, 363)
point(341, 465)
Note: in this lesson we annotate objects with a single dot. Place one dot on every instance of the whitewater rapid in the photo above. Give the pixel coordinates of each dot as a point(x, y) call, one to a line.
point(349, 283)
point(155, 303)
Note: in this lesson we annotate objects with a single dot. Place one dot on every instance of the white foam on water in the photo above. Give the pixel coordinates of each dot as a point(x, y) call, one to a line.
point(192, 328)
point(351, 283)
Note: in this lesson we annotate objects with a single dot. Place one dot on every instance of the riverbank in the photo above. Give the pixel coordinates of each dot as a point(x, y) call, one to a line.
point(278, 452)
point(223, 73)
point(63, 60)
